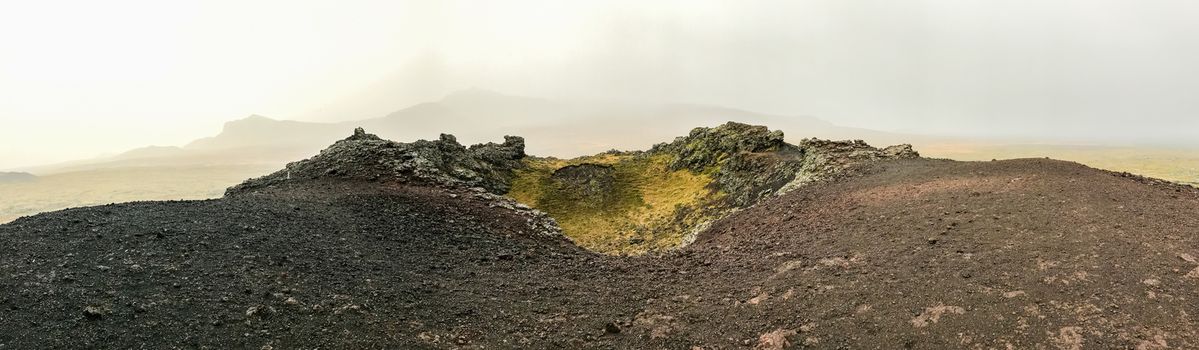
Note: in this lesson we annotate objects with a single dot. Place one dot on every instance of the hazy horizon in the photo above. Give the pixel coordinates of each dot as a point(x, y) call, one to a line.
point(83, 79)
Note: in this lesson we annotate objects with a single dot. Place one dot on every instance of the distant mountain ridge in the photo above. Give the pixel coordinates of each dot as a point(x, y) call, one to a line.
point(260, 131)
point(10, 177)
point(561, 128)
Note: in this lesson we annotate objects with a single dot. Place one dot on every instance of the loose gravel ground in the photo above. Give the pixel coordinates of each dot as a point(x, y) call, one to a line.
point(911, 253)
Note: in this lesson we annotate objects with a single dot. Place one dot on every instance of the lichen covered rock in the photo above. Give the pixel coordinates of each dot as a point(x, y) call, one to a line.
point(707, 147)
point(443, 162)
point(824, 158)
point(587, 179)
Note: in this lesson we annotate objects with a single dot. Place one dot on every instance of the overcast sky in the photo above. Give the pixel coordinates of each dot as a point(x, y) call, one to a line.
point(83, 78)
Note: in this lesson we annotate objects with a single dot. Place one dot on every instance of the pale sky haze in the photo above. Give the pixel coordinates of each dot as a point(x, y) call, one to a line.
point(84, 78)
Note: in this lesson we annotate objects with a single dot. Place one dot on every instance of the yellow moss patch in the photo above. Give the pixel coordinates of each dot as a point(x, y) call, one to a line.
point(647, 208)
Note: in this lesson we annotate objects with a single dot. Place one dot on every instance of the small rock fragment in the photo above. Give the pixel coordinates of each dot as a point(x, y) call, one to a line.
point(776, 340)
point(94, 312)
point(611, 328)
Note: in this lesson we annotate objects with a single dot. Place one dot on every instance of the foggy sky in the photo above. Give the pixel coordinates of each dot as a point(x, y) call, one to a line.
point(83, 78)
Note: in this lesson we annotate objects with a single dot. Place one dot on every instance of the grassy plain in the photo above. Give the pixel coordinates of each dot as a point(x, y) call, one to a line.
point(104, 186)
point(1173, 164)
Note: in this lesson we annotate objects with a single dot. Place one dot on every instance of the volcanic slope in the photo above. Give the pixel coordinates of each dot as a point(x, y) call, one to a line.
point(909, 253)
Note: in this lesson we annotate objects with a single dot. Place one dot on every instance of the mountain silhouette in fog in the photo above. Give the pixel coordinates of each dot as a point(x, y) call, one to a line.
point(562, 128)
point(12, 177)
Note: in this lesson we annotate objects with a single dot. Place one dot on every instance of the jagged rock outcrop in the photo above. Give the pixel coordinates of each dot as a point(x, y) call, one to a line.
point(482, 171)
point(824, 158)
point(442, 162)
point(750, 161)
point(707, 147)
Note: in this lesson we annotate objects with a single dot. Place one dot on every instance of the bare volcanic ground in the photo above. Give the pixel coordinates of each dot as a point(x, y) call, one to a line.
point(910, 253)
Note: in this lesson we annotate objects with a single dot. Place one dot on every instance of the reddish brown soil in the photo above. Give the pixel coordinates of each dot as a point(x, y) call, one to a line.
point(913, 253)
point(938, 254)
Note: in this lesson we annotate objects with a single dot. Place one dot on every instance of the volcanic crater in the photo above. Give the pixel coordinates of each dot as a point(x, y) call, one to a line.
point(725, 238)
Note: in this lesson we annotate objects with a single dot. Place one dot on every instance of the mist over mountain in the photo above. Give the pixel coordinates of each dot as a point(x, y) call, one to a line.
point(555, 127)
point(260, 131)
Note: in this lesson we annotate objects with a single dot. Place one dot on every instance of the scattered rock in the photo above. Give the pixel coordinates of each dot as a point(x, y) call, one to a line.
point(932, 315)
point(775, 340)
point(260, 311)
point(1068, 338)
point(93, 312)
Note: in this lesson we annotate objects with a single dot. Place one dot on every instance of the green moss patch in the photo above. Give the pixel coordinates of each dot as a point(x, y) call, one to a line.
point(617, 203)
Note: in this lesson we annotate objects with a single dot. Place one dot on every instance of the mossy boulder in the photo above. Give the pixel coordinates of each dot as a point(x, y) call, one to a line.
point(707, 147)
point(587, 181)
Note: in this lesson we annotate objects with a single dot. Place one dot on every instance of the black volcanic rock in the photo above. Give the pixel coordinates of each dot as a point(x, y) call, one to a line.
point(443, 162)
